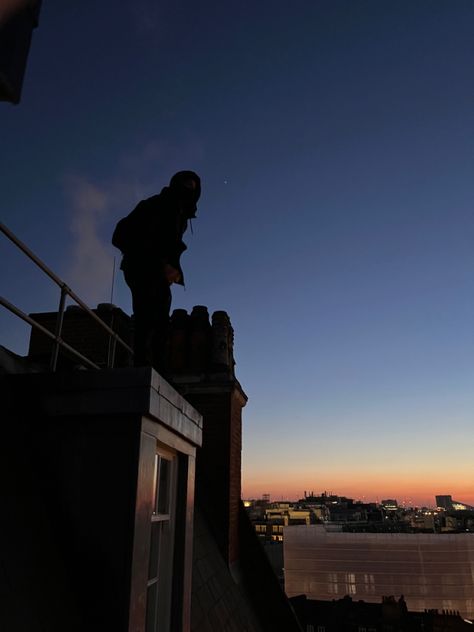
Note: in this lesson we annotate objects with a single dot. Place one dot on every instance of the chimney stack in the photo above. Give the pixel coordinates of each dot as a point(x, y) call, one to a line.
point(207, 380)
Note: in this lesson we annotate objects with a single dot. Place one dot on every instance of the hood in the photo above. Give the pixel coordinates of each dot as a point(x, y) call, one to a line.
point(179, 186)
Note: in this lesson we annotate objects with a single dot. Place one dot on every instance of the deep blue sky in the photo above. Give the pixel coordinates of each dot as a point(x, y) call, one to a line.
point(335, 142)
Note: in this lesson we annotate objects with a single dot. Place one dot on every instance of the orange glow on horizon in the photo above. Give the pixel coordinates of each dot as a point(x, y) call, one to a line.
point(407, 489)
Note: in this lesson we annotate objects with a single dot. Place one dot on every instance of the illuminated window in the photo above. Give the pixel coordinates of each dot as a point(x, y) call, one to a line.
point(369, 583)
point(351, 583)
point(332, 584)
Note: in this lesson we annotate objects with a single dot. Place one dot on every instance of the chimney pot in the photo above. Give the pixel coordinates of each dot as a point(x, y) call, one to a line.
point(222, 340)
point(200, 338)
point(177, 340)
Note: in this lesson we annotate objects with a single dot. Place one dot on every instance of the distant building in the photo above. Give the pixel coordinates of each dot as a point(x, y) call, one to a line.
point(269, 522)
point(434, 571)
point(449, 524)
point(444, 502)
point(356, 514)
point(325, 498)
point(448, 504)
point(390, 504)
point(424, 521)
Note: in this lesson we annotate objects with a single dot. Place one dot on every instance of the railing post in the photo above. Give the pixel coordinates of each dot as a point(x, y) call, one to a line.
point(59, 328)
point(111, 345)
point(111, 353)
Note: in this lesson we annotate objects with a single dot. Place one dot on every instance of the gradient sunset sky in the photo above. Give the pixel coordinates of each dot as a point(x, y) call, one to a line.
point(335, 141)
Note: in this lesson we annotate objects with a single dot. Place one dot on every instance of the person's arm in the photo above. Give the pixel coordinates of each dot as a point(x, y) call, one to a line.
point(170, 244)
point(172, 274)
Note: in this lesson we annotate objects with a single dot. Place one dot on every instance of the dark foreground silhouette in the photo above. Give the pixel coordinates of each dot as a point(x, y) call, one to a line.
point(151, 241)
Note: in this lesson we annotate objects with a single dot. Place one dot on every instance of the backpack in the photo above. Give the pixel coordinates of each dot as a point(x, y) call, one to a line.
point(127, 231)
point(122, 234)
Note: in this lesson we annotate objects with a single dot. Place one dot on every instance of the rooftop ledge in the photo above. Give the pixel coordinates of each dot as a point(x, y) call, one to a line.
point(129, 391)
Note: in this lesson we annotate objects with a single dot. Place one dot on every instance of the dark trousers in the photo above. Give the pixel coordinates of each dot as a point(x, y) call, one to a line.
point(151, 300)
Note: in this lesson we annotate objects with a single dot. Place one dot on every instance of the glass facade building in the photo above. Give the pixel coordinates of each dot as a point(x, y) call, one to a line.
point(430, 570)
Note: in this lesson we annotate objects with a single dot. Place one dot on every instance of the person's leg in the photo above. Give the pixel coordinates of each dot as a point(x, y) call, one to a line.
point(151, 300)
point(142, 300)
point(161, 317)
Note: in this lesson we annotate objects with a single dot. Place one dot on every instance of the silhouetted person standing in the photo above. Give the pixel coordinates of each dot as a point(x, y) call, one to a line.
point(151, 240)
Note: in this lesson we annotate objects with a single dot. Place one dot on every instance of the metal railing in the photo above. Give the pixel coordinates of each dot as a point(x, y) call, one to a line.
point(114, 338)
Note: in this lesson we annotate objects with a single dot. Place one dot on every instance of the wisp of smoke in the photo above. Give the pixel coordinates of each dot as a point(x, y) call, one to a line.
point(90, 271)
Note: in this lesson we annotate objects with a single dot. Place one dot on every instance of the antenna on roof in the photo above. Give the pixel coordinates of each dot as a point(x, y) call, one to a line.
point(113, 283)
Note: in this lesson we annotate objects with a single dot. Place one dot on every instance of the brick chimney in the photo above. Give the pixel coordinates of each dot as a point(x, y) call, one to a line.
point(82, 333)
point(201, 368)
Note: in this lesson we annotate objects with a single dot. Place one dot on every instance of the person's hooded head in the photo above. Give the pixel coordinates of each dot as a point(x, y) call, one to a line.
point(186, 186)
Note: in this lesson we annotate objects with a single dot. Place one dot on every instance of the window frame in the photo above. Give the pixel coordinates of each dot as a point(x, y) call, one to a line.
point(165, 524)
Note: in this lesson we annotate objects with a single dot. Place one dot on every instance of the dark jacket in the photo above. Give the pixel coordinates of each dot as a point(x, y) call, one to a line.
point(151, 236)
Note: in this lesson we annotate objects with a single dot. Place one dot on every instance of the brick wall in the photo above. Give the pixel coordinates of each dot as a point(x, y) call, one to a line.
point(82, 333)
point(235, 473)
point(218, 465)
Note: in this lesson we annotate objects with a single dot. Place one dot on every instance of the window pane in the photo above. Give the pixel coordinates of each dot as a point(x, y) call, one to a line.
point(154, 550)
point(151, 607)
point(164, 486)
point(155, 483)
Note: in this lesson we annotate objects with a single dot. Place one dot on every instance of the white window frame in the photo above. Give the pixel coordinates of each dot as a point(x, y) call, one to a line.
point(158, 612)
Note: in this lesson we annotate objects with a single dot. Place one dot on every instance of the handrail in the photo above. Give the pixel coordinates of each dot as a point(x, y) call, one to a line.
point(12, 237)
point(33, 323)
point(65, 290)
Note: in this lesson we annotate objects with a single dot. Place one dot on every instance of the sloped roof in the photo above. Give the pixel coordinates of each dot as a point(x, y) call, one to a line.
point(219, 604)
